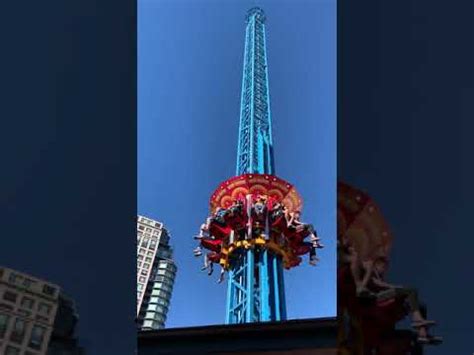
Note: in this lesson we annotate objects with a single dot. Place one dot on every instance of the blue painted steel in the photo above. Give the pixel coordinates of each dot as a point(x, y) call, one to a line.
point(255, 286)
point(264, 287)
point(255, 119)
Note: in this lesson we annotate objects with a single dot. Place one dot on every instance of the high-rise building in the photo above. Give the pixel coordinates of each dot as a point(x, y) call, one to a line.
point(36, 318)
point(63, 340)
point(28, 309)
point(156, 272)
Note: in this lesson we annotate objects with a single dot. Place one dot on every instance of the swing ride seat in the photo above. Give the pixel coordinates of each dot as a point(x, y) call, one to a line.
point(378, 317)
point(211, 244)
point(302, 249)
point(236, 221)
point(214, 257)
point(219, 231)
point(279, 225)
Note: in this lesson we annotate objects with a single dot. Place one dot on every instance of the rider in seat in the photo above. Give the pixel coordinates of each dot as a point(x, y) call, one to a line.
point(209, 260)
point(236, 218)
point(296, 226)
point(203, 233)
point(259, 213)
point(375, 283)
point(278, 222)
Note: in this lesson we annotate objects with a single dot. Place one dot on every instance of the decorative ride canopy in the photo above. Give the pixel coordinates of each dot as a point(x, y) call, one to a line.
point(256, 184)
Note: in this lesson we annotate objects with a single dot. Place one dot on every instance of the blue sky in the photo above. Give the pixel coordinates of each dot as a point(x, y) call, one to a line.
point(189, 76)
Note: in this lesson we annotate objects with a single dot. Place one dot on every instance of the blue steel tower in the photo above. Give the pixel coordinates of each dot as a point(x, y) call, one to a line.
point(255, 150)
point(255, 290)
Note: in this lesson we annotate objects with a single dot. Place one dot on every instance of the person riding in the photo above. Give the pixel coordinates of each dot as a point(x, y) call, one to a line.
point(296, 226)
point(236, 218)
point(237, 207)
point(219, 216)
point(277, 211)
point(313, 259)
point(278, 222)
point(203, 233)
point(259, 212)
point(349, 258)
point(209, 260)
point(260, 204)
point(374, 282)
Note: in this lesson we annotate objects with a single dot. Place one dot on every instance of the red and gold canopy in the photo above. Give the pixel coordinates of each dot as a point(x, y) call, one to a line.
point(256, 184)
point(361, 222)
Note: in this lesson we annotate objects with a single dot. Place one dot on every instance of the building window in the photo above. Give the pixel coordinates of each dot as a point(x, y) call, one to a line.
point(18, 333)
point(10, 350)
point(169, 277)
point(150, 315)
point(9, 296)
point(3, 324)
point(44, 308)
point(27, 303)
point(165, 303)
point(7, 307)
point(24, 313)
point(13, 278)
point(48, 290)
point(148, 323)
point(28, 283)
point(42, 319)
point(37, 337)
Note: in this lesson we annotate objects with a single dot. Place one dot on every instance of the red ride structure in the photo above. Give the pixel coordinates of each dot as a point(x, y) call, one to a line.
point(258, 214)
point(368, 307)
point(245, 227)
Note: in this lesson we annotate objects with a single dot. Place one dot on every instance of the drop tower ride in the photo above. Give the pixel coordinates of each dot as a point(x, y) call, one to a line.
point(247, 299)
point(252, 241)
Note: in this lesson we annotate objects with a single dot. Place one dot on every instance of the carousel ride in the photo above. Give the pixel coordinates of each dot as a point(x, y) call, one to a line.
point(259, 212)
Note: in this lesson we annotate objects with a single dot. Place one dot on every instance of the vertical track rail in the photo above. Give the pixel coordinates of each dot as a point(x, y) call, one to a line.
point(255, 284)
